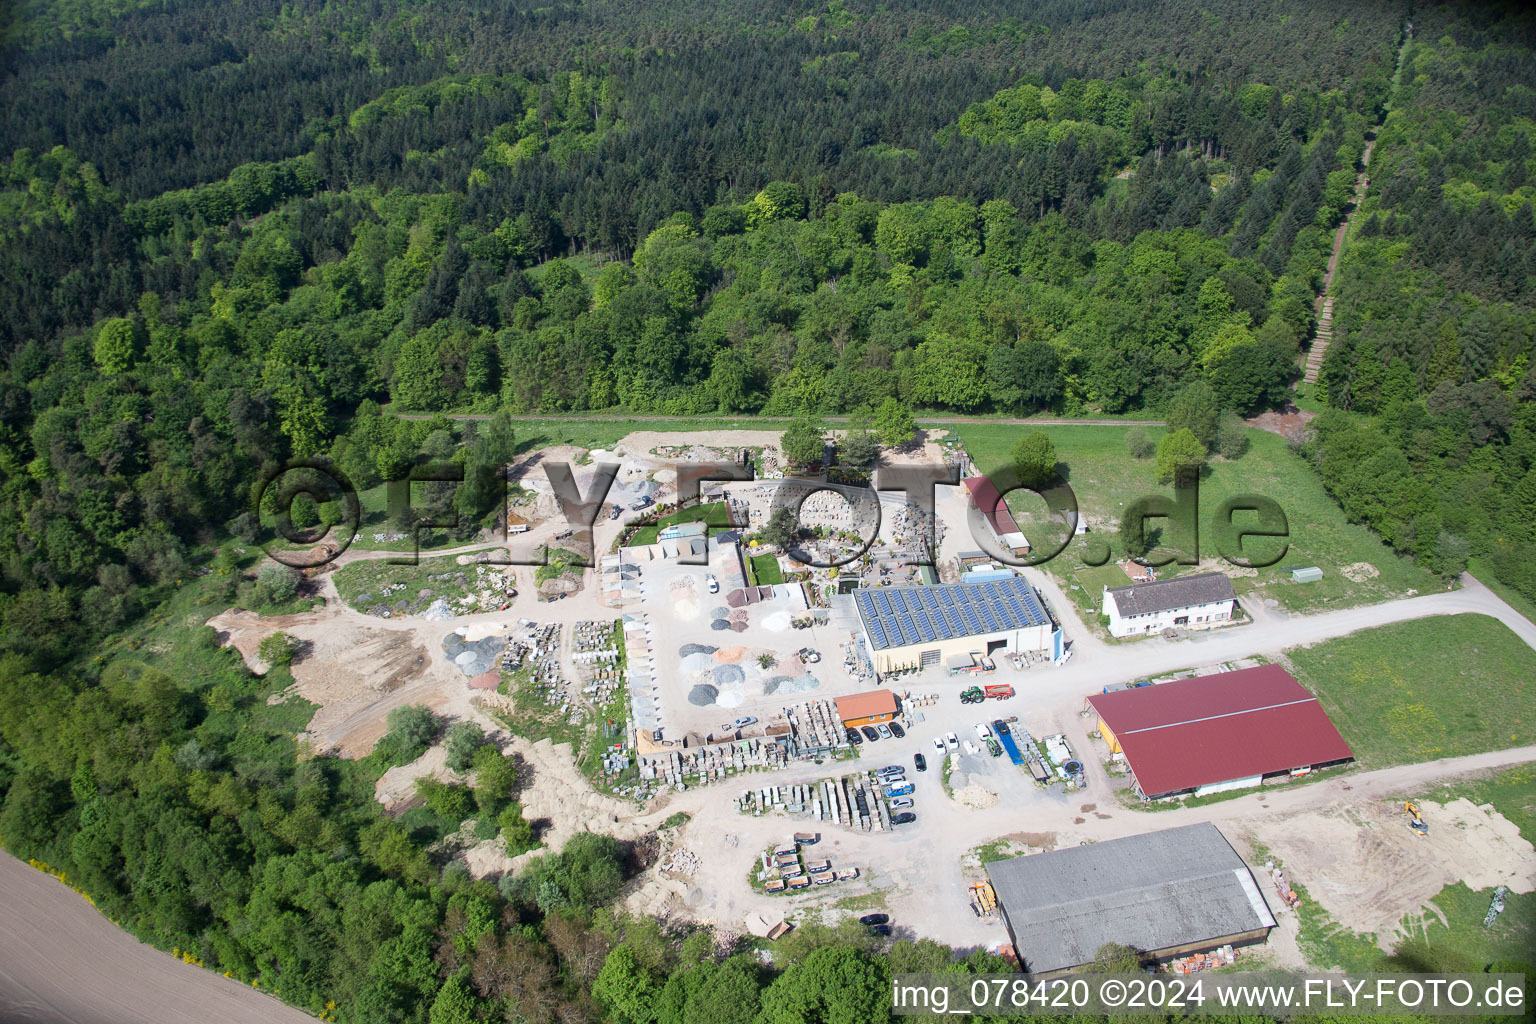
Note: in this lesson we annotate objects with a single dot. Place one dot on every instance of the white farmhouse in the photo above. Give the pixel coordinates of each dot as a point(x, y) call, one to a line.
point(1187, 602)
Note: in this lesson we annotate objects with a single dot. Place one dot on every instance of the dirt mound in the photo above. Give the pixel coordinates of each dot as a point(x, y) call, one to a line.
point(1221, 565)
point(1364, 866)
point(976, 796)
point(1291, 423)
point(1359, 572)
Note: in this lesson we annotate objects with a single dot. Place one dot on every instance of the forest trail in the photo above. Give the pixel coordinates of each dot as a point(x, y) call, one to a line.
point(1322, 335)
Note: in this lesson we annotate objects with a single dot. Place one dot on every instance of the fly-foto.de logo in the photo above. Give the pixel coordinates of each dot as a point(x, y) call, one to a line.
point(1249, 530)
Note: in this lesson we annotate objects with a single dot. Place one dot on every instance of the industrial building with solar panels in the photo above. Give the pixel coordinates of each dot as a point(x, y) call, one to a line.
point(923, 627)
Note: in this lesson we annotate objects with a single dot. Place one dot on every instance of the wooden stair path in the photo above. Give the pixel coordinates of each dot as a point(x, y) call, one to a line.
point(1320, 340)
point(1323, 334)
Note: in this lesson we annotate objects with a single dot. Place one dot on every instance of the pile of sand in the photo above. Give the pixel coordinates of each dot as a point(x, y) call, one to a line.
point(976, 796)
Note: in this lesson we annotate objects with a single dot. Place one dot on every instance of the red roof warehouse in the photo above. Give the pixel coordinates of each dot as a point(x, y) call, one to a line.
point(989, 503)
point(1219, 731)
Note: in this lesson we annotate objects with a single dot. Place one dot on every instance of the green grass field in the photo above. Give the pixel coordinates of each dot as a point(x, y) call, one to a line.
point(1431, 688)
point(373, 532)
point(1090, 581)
point(1106, 479)
point(361, 584)
point(766, 569)
point(714, 512)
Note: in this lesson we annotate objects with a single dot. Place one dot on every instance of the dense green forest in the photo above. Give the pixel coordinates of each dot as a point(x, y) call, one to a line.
point(1435, 357)
point(232, 233)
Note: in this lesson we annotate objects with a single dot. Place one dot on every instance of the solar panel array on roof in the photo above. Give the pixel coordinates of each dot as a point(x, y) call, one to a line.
point(901, 616)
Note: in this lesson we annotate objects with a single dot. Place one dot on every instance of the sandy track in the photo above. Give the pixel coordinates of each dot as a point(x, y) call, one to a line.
point(62, 961)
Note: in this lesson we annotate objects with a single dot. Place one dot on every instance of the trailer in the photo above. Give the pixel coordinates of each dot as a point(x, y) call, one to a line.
point(1006, 739)
point(775, 885)
point(997, 691)
point(807, 838)
point(823, 878)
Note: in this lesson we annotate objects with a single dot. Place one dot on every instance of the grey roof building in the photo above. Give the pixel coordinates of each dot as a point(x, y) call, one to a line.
point(1169, 893)
point(1165, 595)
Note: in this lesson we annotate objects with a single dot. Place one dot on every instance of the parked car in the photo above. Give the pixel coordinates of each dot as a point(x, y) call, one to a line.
point(713, 583)
point(884, 731)
point(854, 737)
point(808, 656)
point(938, 744)
point(920, 761)
point(901, 803)
point(898, 731)
point(891, 769)
point(901, 788)
point(870, 920)
point(869, 733)
point(951, 741)
point(744, 721)
point(904, 818)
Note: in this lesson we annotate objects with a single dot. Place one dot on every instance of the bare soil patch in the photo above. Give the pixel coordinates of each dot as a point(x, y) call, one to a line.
point(356, 673)
point(1363, 865)
point(1290, 422)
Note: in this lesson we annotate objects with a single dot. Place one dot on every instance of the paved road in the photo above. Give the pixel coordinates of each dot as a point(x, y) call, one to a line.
point(61, 961)
point(1097, 663)
point(919, 868)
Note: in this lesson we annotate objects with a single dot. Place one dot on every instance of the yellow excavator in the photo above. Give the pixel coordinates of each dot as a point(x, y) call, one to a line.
point(1415, 822)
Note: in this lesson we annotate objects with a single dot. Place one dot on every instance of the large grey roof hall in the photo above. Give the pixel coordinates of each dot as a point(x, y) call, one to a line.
point(1155, 891)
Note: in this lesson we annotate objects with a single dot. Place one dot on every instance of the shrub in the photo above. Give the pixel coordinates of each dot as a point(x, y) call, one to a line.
point(451, 804)
point(464, 739)
point(1231, 437)
point(411, 731)
point(277, 649)
point(516, 830)
point(1139, 444)
point(275, 584)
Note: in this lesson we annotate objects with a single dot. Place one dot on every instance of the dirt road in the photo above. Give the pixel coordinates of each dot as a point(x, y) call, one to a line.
point(922, 421)
point(61, 961)
point(921, 873)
